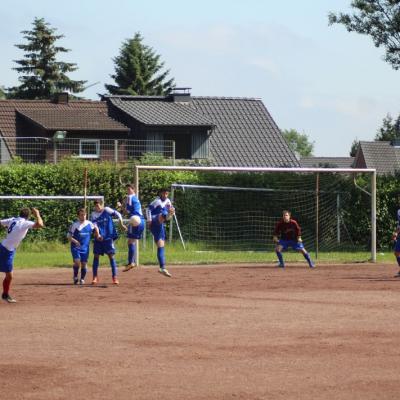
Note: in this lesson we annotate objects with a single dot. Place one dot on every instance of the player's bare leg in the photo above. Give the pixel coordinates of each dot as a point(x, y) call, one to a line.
point(6, 288)
point(161, 258)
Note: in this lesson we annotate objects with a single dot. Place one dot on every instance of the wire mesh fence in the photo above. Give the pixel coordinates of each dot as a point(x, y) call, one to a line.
point(40, 149)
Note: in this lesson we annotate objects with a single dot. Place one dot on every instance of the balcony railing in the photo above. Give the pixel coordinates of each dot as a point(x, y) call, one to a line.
point(39, 149)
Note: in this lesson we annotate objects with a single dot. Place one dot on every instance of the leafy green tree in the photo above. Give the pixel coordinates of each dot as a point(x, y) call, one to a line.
point(354, 147)
point(138, 71)
point(2, 93)
point(298, 142)
point(389, 129)
point(379, 19)
point(41, 74)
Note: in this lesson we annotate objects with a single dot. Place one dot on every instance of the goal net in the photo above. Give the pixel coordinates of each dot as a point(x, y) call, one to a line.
point(334, 207)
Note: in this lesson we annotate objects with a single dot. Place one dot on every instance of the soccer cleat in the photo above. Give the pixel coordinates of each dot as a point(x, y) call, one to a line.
point(95, 280)
point(312, 265)
point(8, 298)
point(281, 265)
point(81, 281)
point(164, 272)
point(115, 280)
point(76, 280)
point(129, 267)
point(397, 275)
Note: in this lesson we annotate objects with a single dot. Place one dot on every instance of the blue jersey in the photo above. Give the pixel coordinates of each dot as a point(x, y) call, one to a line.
point(133, 206)
point(82, 232)
point(158, 207)
point(104, 221)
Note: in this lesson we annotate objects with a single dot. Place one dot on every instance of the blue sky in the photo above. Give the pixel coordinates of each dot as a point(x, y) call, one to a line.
point(320, 80)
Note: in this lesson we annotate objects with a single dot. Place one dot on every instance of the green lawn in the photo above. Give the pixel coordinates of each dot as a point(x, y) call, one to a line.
point(44, 254)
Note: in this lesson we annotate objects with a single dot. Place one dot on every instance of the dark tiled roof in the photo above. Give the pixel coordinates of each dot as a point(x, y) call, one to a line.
point(73, 120)
point(245, 135)
point(327, 162)
point(159, 111)
point(380, 155)
point(9, 108)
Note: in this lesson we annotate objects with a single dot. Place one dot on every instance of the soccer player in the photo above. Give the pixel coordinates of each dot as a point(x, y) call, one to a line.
point(17, 228)
point(396, 238)
point(159, 211)
point(79, 235)
point(132, 207)
point(287, 233)
point(104, 243)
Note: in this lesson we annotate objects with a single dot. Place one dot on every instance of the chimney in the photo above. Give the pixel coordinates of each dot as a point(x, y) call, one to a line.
point(61, 98)
point(180, 95)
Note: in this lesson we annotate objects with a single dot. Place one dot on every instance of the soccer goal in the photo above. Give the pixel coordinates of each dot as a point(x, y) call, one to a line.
point(235, 209)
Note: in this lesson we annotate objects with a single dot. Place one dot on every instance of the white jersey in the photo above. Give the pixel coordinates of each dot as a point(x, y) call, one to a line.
point(17, 228)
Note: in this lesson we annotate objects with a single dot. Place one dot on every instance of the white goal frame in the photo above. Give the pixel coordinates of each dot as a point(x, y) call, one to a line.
point(316, 171)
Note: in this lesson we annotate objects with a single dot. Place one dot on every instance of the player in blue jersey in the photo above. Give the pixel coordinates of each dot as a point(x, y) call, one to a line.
point(79, 235)
point(102, 217)
point(287, 233)
point(17, 228)
point(396, 238)
point(159, 211)
point(133, 208)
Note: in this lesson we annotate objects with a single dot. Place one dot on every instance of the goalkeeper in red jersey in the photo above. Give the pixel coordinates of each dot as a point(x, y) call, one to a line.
point(287, 233)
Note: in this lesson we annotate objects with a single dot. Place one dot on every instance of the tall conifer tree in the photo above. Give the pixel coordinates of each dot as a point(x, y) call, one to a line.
point(138, 71)
point(41, 74)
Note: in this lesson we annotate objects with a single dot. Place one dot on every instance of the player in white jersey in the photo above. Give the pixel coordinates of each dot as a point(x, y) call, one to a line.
point(160, 210)
point(17, 228)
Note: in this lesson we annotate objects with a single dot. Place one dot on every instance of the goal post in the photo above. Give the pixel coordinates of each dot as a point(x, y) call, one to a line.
point(311, 195)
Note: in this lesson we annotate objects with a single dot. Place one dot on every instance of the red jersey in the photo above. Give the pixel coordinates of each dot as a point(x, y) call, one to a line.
point(287, 230)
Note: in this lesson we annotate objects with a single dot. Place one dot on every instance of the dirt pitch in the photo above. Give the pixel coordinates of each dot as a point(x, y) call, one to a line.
point(209, 332)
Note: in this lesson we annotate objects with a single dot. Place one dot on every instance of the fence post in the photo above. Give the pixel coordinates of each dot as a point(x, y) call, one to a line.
point(55, 151)
point(173, 152)
point(116, 150)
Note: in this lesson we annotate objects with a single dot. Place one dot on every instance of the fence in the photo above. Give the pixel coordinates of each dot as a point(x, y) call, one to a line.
point(40, 149)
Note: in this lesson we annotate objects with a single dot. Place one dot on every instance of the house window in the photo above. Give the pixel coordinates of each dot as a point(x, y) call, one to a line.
point(89, 148)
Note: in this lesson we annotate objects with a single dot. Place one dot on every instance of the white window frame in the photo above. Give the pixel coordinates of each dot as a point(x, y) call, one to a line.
point(84, 141)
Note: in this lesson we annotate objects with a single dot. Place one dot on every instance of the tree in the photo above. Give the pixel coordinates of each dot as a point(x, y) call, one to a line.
point(42, 75)
point(298, 142)
point(2, 93)
point(137, 71)
point(389, 129)
point(354, 147)
point(379, 19)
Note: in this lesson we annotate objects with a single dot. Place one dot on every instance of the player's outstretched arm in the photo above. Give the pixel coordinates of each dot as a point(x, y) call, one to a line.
point(38, 219)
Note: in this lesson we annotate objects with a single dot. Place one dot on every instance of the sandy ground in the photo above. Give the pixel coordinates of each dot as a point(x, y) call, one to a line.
point(209, 332)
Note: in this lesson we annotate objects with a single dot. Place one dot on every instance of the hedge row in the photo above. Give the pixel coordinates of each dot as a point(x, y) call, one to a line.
point(66, 178)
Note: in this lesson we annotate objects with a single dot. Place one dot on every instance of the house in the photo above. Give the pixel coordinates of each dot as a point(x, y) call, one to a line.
point(384, 156)
point(221, 131)
point(84, 122)
point(327, 162)
point(225, 131)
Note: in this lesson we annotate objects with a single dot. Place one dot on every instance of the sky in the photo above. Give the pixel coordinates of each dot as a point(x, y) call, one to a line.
point(321, 80)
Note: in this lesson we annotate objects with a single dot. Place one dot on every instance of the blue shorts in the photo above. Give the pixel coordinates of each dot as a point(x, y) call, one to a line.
point(103, 247)
point(6, 259)
point(295, 245)
point(80, 253)
point(136, 232)
point(157, 229)
point(396, 246)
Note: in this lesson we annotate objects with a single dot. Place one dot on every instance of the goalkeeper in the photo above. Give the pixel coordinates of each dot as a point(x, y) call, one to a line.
point(287, 234)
